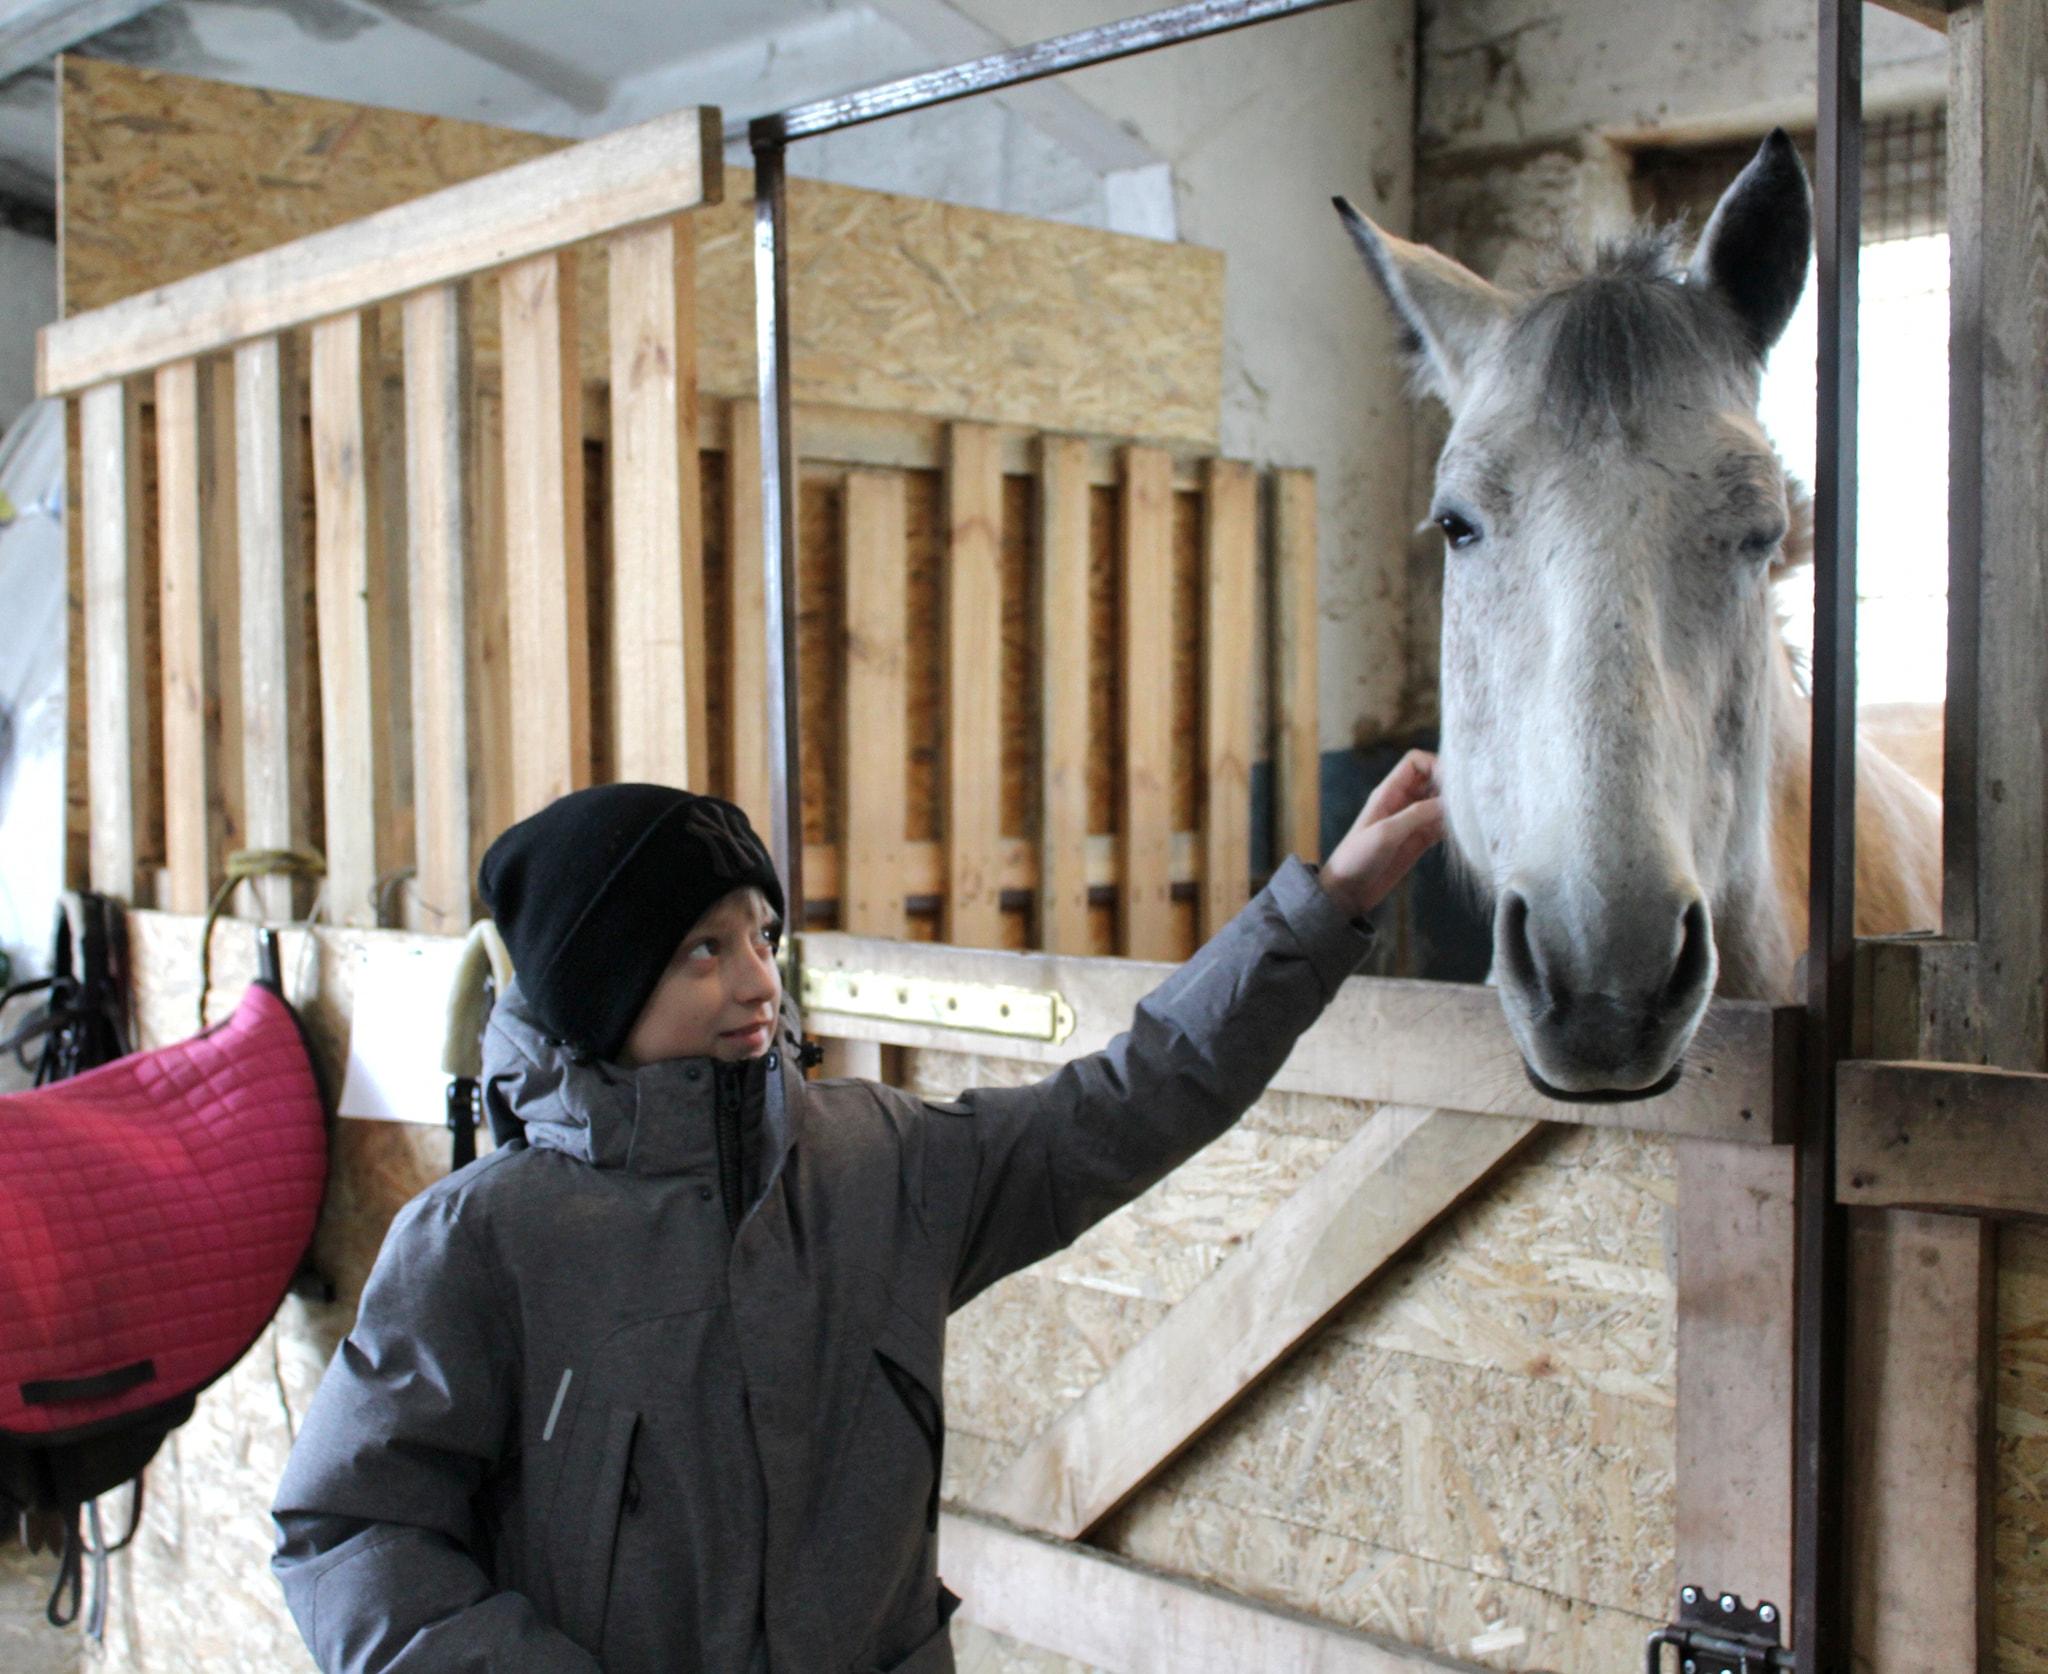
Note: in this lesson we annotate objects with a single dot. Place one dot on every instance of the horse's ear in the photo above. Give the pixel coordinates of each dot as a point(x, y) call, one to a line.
point(1446, 312)
point(1759, 241)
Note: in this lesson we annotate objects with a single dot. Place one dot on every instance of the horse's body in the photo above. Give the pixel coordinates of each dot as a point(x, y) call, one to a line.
point(1625, 741)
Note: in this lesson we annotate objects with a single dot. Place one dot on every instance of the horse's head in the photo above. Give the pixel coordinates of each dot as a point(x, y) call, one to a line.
point(1613, 513)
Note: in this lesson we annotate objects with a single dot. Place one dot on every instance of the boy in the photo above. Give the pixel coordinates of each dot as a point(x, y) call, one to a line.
point(658, 1390)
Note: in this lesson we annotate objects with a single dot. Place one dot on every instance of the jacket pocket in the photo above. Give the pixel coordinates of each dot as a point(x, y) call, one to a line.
point(933, 1655)
point(914, 1376)
point(591, 1543)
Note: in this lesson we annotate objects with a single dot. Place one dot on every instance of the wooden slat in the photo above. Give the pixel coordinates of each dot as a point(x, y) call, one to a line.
point(972, 909)
point(1735, 1316)
point(653, 169)
point(1120, 1617)
point(876, 767)
point(658, 730)
point(549, 601)
point(122, 757)
point(441, 492)
point(1942, 1137)
point(1063, 688)
point(1229, 576)
point(196, 577)
point(746, 706)
point(1388, 1184)
point(1297, 752)
point(1441, 1044)
point(1144, 902)
point(278, 711)
point(490, 634)
point(351, 582)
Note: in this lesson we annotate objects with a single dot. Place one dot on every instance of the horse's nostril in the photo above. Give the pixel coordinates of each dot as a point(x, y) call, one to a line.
point(1695, 953)
point(1515, 948)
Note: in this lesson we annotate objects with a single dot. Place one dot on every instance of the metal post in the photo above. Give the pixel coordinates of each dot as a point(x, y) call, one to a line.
point(1819, 1569)
point(778, 522)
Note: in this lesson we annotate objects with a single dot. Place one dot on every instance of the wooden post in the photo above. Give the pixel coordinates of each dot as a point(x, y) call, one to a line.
point(490, 632)
point(1229, 572)
point(122, 757)
point(1297, 747)
point(973, 715)
point(1144, 882)
point(351, 578)
point(1063, 687)
point(277, 654)
point(657, 512)
point(544, 534)
point(871, 828)
point(746, 706)
point(441, 492)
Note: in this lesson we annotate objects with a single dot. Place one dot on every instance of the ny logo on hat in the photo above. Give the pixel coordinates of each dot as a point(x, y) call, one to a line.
point(735, 851)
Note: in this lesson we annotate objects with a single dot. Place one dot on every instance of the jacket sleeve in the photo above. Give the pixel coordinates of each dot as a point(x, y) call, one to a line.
point(375, 1516)
point(1023, 1171)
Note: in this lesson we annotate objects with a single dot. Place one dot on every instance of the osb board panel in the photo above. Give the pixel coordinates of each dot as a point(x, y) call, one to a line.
point(1476, 1455)
point(2020, 1541)
point(899, 304)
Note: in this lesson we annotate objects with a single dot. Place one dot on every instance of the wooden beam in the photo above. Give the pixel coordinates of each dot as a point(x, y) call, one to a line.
point(1440, 1044)
point(653, 169)
point(659, 727)
point(1123, 1618)
point(972, 908)
point(1144, 904)
point(441, 495)
point(351, 585)
point(876, 765)
point(1064, 675)
point(1952, 1137)
point(1388, 1184)
point(545, 580)
point(1297, 746)
point(122, 756)
point(1229, 575)
point(278, 709)
point(1933, 14)
point(746, 650)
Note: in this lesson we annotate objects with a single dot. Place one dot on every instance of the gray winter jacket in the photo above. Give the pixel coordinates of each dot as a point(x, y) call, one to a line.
point(608, 1403)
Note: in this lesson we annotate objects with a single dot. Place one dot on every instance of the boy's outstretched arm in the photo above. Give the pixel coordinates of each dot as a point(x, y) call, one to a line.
point(1023, 1171)
point(374, 1515)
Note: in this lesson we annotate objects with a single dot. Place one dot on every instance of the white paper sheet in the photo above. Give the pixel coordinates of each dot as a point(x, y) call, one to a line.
point(394, 1045)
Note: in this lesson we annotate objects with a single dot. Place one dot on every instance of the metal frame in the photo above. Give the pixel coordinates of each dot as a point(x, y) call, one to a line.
point(1819, 1616)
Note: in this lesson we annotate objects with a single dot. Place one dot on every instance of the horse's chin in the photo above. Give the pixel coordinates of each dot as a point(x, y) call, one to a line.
point(1605, 1095)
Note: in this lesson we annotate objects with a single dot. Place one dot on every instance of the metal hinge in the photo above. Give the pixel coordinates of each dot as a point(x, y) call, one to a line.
point(988, 1008)
point(1719, 1634)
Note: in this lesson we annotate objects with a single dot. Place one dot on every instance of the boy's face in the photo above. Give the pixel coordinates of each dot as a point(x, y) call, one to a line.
point(719, 995)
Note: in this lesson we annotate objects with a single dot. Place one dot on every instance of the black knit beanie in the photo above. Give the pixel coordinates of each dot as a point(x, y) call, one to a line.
point(593, 894)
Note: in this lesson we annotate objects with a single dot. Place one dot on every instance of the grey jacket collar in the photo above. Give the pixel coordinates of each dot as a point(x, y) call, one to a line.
point(657, 1119)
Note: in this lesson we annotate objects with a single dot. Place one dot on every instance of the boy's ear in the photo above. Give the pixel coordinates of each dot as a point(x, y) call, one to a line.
point(1445, 311)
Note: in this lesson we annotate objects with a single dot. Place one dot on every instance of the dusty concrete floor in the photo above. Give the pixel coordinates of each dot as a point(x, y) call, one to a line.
point(28, 1644)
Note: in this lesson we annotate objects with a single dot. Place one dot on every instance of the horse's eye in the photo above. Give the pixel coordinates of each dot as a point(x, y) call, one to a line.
point(1761, 544)
point(1456, 529)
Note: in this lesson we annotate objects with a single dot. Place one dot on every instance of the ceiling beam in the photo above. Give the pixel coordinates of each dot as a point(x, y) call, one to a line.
point(34, 31)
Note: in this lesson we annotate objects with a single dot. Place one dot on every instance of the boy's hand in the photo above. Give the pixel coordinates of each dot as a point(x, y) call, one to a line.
point(1395, 828)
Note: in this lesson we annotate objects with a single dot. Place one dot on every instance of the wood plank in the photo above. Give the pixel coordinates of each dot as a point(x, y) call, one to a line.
point(1388, 1184)
point(1145, 637)
point(351, 581)
point(1123, 1618)
point(194, 507)
point(225, 716)
point(1735, 1317)
point(278, 713)
point(1931, 14)
point(1063, 691)
point(653, 169)
point(971, 913)
point(1387, 1040)
point(548, 596)
point(658, 732)
point(877, 705)
point(747, 694)
point(1297, 747)
point(490, 636)
point(441, 492)
point(122, 758)
point(1950, 1137)
point(1229, 575)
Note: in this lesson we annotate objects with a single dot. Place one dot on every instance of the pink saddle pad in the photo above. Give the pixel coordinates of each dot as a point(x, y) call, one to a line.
point(152, 1214)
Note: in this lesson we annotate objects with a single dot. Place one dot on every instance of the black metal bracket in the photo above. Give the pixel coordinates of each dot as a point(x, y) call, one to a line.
point(1716, 1633)
point(465, 1115)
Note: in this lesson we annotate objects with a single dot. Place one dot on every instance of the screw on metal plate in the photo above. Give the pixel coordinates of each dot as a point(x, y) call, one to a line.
point(1716, 1633)
point(981, 1007)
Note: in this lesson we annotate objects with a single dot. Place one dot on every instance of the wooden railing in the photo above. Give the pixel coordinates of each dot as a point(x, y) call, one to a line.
point(375, 561)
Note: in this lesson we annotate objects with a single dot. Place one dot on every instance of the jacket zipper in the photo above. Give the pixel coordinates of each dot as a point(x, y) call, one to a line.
point(726, 1128)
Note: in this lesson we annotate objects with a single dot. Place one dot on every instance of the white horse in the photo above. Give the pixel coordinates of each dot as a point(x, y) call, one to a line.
point(1625, 739)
